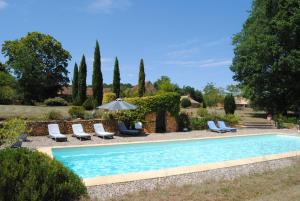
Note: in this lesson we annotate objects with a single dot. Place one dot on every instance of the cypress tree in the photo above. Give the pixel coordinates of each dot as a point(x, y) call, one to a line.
point(117, 79)
point(82, 81)
point(141, 85)
point(229, 104)
point(75, 83)
point(97, 81)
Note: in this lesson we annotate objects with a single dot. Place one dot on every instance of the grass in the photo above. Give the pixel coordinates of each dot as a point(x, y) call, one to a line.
point(30, 112)
point(279, 185)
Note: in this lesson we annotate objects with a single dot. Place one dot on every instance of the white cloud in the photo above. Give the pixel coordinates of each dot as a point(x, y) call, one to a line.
point(106, 6)
point(3, 4)
point(183, 52)
point(201, 63)
point(216, 42)
point(184, 43)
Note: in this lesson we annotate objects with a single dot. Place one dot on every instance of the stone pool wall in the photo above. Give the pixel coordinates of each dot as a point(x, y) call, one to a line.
point(40, 128)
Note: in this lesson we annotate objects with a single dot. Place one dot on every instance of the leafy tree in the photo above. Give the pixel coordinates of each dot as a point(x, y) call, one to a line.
point(3, 67)
point(234, 90)
point(141, 85)
point(117, 79)
point(39, 63)
point(164, 84)
point(7, 85)
point(213, 95)
point(75, 83)
point(229, 104)
point(185, 102)
point(97, 81)
point(82, 81)
point(267, 55)
point(194, 94)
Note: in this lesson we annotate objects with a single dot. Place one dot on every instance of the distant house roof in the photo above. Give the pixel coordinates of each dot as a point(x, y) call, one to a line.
point(67, 91)
point(193, 102)
point(241, 100)
point(149, 88)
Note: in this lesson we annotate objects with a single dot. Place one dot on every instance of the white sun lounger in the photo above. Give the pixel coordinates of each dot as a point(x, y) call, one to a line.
point(55, 134)
point(100, 132)
point(79, 132)
point(138, 126)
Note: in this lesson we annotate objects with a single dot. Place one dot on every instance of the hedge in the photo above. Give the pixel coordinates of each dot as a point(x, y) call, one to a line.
point(169, 102)
point(31, 175)
point(57, 101)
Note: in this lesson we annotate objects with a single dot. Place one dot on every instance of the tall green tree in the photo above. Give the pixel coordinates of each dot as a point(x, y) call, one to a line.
point(195, 94)
point(164, 84)
point(39, 63)
point(267, 55)
point(75, 83)
point(213, 95)
point(116, 79)
point(141, 84)
point(97, 81)
point(82, 81)
point(3, 67)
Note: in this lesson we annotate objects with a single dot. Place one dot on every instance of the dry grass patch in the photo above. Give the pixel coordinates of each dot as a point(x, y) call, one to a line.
point(279, 185)
point(30, 112)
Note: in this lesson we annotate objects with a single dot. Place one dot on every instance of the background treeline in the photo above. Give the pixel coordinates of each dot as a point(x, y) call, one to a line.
point(36, 71)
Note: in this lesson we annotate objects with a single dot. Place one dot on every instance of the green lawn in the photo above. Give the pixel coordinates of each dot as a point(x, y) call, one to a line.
point(31, 112)
point(279, 185)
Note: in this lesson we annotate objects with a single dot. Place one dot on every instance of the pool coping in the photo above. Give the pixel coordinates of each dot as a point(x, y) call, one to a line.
point(120, 178)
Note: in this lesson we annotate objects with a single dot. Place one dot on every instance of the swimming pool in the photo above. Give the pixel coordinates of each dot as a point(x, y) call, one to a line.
point(96, 161)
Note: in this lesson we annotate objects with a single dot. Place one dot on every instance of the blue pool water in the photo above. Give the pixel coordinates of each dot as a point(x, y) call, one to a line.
point(94, 161)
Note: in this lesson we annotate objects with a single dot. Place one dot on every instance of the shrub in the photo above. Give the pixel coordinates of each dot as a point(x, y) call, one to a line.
point(199, 123)
point(89, 104)
point(88, 116)
point(202, 112)
point(10, 130)
point(230, 119)
point(31, 175)
point(76, 102)
point(103, 115)
point(108, 97)
point(57, 101)
point(54, 115)
point(169, 102)
point(185, 102)
point(183, 121)
point(229, 104)
point(77, 112)
point(7, 95)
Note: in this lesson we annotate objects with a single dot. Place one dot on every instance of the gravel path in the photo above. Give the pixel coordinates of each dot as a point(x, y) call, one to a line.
point(105, 192)
point(43, 141)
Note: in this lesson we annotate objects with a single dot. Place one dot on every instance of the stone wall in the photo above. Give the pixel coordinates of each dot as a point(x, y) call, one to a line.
point(150, 123)
point(171, 123)
point(40, 128)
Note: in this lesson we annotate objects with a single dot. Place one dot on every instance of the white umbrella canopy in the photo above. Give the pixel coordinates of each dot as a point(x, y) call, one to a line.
point(117, 105)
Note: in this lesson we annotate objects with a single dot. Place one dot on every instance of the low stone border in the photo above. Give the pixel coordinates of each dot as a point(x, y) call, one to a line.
point(107, 191)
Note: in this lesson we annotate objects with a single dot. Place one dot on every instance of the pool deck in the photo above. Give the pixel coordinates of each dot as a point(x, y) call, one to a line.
point(102, 180)
point(99, 184)
point(43, 141)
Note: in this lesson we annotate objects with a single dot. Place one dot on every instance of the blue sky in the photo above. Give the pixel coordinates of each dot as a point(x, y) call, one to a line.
point(189, 41)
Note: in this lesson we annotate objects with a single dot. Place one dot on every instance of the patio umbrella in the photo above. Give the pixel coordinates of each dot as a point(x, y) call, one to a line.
point(117, 105)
